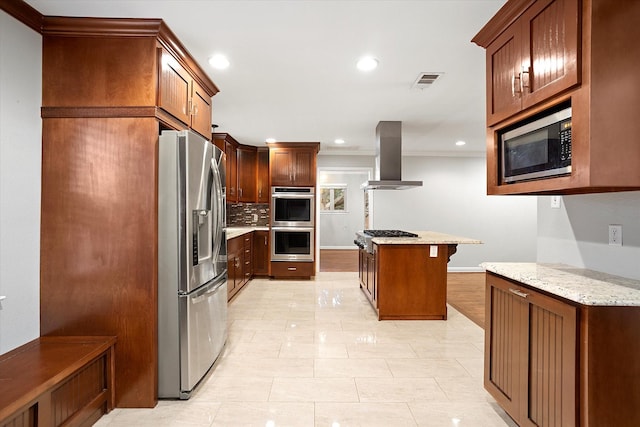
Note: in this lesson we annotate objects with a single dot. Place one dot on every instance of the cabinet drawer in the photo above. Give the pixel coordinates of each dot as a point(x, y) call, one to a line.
point(235, 245)
point(292, 269)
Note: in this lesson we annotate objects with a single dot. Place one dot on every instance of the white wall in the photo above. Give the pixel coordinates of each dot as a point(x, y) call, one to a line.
point(578, 232)
point(20, 164)
point(337, 229)
point(453, 200)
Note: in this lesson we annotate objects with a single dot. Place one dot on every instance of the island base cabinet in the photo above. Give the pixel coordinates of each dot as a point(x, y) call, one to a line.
point(409, 281)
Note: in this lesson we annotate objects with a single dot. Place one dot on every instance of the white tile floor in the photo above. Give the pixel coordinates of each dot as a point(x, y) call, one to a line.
point(311, 353)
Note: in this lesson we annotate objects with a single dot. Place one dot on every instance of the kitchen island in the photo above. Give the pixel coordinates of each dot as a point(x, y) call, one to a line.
point(406, 277)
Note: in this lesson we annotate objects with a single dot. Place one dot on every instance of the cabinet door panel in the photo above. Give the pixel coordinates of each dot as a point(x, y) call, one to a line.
point(280, 167)
point(550, 49)
point(503, 74)
point(201, 111)
point(304, 172)
point(260, 253)
point(247, 164)
point(505, 323)
point(262, 182)
point(551, 368)
point(232, 173)
point(174, 88)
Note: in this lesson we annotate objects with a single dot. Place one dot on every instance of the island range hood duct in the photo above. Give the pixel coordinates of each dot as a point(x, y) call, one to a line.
point(388, 172)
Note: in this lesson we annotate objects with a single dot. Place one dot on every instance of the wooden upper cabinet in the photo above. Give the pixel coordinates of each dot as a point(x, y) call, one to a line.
point(247, 171)
point(534, 59)
point(105, 67)
point(229, 145)
point(262, 183)
point(174, 87)
point(293, 164)
point(200, 110)
point(181, 96)
point(542, 54)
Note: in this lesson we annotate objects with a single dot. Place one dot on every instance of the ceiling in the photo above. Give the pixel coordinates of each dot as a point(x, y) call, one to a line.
point(293, 71)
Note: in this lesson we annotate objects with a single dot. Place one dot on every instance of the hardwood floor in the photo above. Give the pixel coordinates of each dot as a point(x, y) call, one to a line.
point(338, 260)
point(465, 291)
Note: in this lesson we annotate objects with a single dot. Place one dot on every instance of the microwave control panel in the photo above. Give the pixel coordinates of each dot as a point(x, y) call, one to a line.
point(565, 140)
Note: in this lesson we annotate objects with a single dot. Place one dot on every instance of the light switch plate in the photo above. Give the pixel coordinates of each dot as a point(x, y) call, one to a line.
point(555, 202)
point(433, 251)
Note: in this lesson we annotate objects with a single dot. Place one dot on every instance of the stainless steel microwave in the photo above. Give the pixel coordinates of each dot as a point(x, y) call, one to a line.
point(537, 149)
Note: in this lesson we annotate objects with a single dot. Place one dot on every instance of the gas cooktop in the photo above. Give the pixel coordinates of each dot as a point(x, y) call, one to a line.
point(389, 233)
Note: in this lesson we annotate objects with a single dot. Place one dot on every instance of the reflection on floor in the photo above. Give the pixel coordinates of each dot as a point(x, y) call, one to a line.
point(311, 353)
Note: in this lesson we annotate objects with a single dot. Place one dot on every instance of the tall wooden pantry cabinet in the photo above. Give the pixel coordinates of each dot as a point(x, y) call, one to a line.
point(110, 86)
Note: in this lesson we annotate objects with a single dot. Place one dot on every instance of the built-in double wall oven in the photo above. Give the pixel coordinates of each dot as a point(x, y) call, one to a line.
point(292, 223)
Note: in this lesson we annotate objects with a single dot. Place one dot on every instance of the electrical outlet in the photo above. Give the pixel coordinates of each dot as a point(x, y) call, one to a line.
point(615, 235)
point(555, 202)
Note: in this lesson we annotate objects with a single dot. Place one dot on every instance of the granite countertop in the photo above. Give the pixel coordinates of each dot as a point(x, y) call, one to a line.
point(586, 287)
point(425, 238)
point(239, 231)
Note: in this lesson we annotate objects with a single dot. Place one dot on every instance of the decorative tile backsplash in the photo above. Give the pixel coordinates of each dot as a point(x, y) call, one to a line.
point(247, 214)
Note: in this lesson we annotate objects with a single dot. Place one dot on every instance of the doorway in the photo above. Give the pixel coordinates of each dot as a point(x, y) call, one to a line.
point(341, 207)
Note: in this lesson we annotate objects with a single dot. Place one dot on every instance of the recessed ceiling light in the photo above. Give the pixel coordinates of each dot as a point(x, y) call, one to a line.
point(339, 141)
point(367, 63)
point(219, 61)
point(461, 143)
point(270, 140)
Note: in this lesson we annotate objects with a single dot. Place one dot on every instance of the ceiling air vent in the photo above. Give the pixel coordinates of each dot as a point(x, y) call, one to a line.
point(425, 80)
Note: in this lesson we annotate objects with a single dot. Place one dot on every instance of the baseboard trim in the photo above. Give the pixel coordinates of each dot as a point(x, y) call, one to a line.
point(353, 248)
point(465, 270)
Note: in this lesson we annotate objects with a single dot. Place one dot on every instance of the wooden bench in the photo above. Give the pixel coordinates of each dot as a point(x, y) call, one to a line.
point(52, 381)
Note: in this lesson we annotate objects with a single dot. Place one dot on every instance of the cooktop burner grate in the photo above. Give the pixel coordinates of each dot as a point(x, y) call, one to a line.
point(389, 233)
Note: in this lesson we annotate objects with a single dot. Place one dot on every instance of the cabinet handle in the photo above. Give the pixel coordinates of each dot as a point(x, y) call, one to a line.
point(525, 81)
point(291, 268)
point(265, 240)
point(240, 191)
point(516, 88)
point(518, 292)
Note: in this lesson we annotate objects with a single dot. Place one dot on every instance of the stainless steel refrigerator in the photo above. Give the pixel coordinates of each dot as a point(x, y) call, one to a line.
point(192, 261)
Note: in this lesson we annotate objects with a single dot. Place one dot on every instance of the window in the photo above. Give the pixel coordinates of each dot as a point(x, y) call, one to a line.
point(333, 198)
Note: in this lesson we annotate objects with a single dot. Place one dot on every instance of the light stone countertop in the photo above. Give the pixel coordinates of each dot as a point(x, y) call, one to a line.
point(239, 231)
point(586, 287)
point(425, 238)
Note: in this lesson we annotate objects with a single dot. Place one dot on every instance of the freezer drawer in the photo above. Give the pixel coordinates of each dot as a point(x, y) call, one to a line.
point(204, 333)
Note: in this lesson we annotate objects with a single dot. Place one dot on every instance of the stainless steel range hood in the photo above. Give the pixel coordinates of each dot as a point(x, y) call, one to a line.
point(388, 172)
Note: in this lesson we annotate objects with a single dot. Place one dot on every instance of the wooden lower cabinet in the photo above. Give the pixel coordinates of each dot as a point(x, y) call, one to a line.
point(551, 362)
point(530, 360)
point(286, 269)
point(261, 253)
point(235, 261)
point(368, 276)
point(57, 380)
point(406, 281)
point(247, 255)
point(247, 264)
